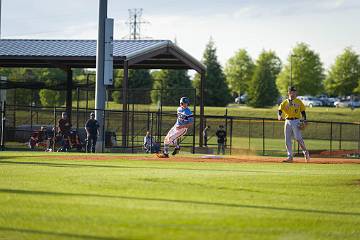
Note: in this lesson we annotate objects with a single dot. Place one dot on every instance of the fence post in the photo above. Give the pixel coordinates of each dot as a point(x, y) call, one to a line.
point(31, 116)
point(158, 125)
point(359, 141)
point(77, 107)
point(194, 132)
point(37, 116)
point(108, 116)
point(14, 116)
point(103, 133)
point(132, 127)
point(54, 133)
point(263, 128)
point(1, 123)
point(226, 124)
point(14, 109)
point(231, 131)
point(87, 94)
point(148, 121)
point(249, 134)
point(151, 125)
point(340, 136)
point(3, 119)
point(194, 123)
point(331, 133)
point(226, 119)
point(160, 113)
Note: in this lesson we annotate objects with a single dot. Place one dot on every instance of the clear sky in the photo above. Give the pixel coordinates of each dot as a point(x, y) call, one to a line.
point(328, 26)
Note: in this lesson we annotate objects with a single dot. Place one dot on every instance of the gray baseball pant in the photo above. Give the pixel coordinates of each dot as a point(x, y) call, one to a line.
point(291, 128)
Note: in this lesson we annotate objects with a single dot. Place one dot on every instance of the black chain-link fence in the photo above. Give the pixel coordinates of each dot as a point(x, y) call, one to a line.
point(244, 135)
point(21, 122)
point(266, 136)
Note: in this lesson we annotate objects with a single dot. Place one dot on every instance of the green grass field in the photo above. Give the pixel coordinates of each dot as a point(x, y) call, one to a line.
point(45, 198)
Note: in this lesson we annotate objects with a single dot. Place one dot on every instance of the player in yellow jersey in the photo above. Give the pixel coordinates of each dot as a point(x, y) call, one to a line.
point(293, 109)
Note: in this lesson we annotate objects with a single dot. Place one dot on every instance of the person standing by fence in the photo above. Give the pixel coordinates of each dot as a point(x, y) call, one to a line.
point(92, 132)
point(221, 135)
point(150, 145)
point(293, 109)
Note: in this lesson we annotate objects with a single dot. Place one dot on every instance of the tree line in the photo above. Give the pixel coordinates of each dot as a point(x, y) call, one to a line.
point(263, 79)
point(268, 78)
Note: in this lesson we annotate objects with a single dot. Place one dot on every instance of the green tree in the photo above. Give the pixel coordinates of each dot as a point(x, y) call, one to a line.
point(51, 98)
point(170, 86)
point(52, 77)
point(344, 74)
point(357, 90)
point(262, 90)
point(140, 83)
point(239, 70)
point(307, 71)
point(118, 79)
point(216, 90)
point(21, 96)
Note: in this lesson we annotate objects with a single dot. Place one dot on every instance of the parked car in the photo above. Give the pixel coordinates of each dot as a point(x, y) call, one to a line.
point(326, 102)
point(347, 103)
point(332, 101)
point(241, 99)
point(310, 101)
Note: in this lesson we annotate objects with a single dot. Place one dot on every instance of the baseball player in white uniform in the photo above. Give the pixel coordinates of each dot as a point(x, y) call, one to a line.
point(184, 120)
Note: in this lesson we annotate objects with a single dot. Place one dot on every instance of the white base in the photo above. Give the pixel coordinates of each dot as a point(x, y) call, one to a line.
point(212, 156)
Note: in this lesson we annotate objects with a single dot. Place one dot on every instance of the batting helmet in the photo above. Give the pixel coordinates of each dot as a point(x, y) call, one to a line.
point(184, 100)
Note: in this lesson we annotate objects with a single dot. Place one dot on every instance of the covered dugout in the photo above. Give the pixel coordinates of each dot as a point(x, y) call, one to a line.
point(127, 54)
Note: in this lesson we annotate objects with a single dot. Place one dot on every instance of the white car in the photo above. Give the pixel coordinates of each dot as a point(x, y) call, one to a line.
point(332, 101)
point(347, 103)
point(310, 101)
point(241, 99)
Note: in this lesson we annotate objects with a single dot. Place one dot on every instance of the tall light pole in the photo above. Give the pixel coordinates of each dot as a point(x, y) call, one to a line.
point(0, 18)
point(100, 87)
point(2, 78)
point(104, 68)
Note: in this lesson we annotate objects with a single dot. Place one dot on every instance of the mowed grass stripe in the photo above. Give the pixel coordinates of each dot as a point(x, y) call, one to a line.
point(56, 194)
point(120, 199)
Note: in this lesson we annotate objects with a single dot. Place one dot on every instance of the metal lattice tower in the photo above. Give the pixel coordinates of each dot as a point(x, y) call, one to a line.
point(135, 21)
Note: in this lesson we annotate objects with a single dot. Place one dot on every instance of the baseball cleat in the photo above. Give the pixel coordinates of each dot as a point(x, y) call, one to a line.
point(307, 156)
point(288, 160)
point(176, 151)
point(162, 155)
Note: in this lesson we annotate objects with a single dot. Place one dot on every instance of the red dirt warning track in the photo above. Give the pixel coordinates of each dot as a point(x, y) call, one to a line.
point(207, 159)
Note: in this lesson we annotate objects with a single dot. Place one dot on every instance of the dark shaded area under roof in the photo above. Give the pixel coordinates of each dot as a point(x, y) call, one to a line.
point(42, 85)
point(141, 54)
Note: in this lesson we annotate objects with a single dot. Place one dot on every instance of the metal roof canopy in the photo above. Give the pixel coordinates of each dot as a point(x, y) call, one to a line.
point(140, 54)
